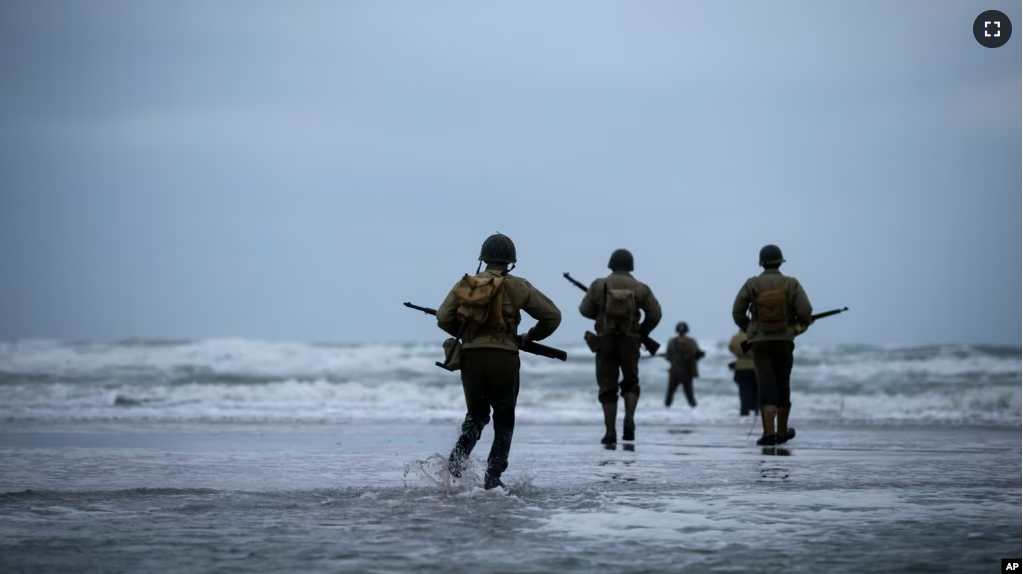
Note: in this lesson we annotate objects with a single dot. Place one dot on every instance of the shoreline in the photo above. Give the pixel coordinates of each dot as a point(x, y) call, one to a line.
point(301, 425)
point(577, 442)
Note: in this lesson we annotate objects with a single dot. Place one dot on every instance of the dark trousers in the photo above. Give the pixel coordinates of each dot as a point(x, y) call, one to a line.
point(490, 380)
point(773, 362)
point(676, 378)
point(617, 353)
point(746, 379)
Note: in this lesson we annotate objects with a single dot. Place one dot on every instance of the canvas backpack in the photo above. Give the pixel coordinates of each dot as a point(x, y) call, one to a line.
point(620, 311)
point(772, 309)
point(480, 299)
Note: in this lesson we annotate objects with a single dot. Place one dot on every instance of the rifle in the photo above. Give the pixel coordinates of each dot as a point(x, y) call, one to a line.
point(530, 347)
point(745, 345)
point(651, 345)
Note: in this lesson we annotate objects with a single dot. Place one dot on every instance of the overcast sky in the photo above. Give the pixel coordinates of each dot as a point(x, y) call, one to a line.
point(296, 170)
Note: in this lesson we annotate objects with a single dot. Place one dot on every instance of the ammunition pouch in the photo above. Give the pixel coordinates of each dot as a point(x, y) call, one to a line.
point(592, 341)
point(453, 351)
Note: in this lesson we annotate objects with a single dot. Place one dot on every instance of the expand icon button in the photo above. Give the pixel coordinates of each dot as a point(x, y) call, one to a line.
point(992, 29)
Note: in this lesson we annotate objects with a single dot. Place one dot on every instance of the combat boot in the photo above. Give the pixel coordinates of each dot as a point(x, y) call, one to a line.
point(631, 400)
point(471, 432)
point(497, 462)
point(629, 430)
point(492, 481)
point(610, 414)
point(767, 415)
point(459, 454)
point(785, 432)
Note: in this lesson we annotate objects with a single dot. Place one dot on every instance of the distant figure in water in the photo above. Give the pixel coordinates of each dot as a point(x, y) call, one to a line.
point(772, 309)
point(615, 302)
point(744, 373)
point(484, 310)
point(683, 354)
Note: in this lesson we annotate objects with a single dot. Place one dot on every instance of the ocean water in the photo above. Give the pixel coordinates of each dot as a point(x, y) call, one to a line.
point(253, 381)
point(248, 456)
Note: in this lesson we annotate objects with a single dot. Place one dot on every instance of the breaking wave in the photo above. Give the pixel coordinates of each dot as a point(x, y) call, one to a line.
point(244, 380)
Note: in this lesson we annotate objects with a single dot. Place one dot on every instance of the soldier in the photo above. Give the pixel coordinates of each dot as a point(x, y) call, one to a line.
point(487, 307)
point(744, 373)
point(614, 303)
point(683, 354)
point(778, 310)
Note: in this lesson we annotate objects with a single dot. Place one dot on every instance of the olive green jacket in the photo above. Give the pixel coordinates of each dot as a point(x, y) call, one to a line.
point(592, 306)
point(798, 303)
point(519, 295)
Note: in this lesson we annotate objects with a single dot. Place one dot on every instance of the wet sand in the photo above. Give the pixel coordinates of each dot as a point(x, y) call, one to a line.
point(117, 497)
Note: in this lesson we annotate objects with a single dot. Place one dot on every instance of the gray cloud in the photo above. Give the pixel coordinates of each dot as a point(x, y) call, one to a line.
point(296, 171)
